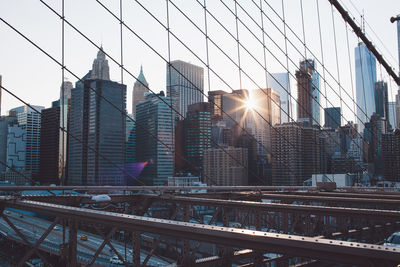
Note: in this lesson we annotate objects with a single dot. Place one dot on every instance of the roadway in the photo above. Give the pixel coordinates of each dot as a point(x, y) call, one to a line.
point(33, 228)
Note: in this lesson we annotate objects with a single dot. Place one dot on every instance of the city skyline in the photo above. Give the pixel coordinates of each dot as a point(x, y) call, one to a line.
point(186, 133)
point(88, 116)
point(156, 73)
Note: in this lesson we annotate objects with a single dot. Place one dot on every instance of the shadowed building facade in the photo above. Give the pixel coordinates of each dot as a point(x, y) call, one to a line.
point(154, 123)
point(197, 136)
point(49, 146)
point(332, 117)
point(98, 124)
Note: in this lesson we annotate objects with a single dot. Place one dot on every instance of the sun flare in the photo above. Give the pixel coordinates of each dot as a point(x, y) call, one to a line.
point(250, 103)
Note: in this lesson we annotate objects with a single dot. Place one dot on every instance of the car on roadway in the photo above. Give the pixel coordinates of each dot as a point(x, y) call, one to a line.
point(83, 237)
point(115, 260)
point(393, 240)
point(101, 198)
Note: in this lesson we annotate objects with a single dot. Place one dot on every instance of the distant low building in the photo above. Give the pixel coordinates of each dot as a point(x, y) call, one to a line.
point(225, 166)
point(341, 179)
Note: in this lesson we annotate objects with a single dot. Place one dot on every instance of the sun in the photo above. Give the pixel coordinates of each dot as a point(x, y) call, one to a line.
point(250, 103)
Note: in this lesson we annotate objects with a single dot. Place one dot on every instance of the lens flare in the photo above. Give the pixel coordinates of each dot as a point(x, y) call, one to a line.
point(251, 103)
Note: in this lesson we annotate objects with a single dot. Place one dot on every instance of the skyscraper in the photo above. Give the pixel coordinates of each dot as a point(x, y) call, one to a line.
point(297, 153)
point(130, 138)
point(215, 98)
point(382, 101)
point(154, 116)
point(264, 115)
point(373, 131)
point(280, 82)
point(102, 127)
point(100, 69)
point(17, 154)
point(365, 84)
point(98, 125)
point(23, 141)
point(185, 85)
point(397, 125)
point(247, 141)
point(235, 109)
point(391, 156)
point(308, 96)
point(5, 122)
point(197, 136)
point(64, 104)
point(1, 89)
point(347, 133)
point(332, 117)
point(49, 146)
point(66, 86)
point(398, 40)
point(398, 110)
point(130, 151)
point(392, 114)
point(139, 89)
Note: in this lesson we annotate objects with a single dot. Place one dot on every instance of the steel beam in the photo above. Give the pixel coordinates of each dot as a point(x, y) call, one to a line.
point(236, 203)
point(37, 244)
point(72, 242)
point(277, 207)
point(307, 247)
point(136, 248)
point(24, 239)
point(369, 195)
point(101, 247)
point(343, 198)
point(324, 199)
point(252, 205)
point(188, 188)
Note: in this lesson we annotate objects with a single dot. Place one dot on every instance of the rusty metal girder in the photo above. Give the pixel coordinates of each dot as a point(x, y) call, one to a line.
point(247, 205)
point(321, 249)
point(277, 207)
point(25, 240)
point(188, 188)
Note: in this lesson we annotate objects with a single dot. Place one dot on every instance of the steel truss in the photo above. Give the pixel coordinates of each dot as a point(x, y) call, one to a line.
point(306, 227)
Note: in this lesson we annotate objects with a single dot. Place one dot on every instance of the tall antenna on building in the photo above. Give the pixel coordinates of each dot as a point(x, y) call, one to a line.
point(363, 22)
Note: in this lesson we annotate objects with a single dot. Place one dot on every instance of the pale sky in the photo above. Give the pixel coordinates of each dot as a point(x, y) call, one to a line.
point(35, 78)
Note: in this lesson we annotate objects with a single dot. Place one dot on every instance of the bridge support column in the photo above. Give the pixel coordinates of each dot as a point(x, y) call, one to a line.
point(187, 259)
point(136, 248)
point(72, 243)
point(227, 252)
point(258, 257)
